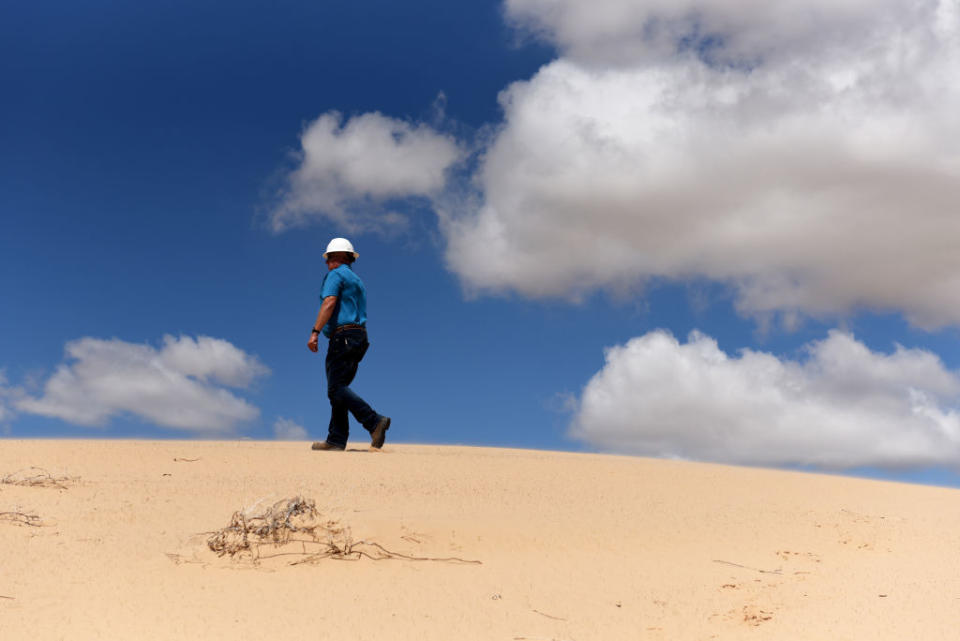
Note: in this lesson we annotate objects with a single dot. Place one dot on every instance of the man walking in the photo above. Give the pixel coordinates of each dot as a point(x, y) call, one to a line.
point(342, 319)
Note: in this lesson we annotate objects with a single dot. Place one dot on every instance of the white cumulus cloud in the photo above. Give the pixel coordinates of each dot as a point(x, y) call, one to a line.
point(627, 31)
point(807, 154)
point(843, 405)
point(214, 359)
point(179, 385)
point(347, 169)
point(285, 429)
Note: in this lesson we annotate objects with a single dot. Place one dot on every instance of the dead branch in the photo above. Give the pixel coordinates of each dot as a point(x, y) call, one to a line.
point(297, 521)
point(20, 518)
point(38, 477)
point(276, 526)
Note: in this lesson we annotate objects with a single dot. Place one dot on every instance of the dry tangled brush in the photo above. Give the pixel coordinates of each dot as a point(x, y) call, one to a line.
point(294, 527)
point(286, 521)
point(21, 518)
point(37, 477)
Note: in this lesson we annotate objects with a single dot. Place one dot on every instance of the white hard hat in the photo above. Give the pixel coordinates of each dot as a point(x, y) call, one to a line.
point(340, 245)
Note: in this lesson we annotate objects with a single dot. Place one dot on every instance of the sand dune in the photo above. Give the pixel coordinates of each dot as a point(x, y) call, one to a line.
point(568, 547)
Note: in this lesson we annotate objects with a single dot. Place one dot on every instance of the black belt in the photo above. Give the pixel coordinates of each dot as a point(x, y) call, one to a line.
point(345, 327)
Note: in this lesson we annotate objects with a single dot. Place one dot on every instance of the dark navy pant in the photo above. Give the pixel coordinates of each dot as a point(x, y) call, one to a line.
point(344, 354)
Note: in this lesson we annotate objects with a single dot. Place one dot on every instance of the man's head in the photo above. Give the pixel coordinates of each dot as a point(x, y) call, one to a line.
point(335, 259)
point(339, 252)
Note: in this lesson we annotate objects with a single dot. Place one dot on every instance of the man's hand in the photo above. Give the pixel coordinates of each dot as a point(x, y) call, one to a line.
point(326, 311)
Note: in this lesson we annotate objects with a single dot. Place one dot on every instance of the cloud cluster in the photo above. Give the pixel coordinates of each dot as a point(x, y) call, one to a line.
point(812, 164)
point(842, 406)
point(347, 170)
point(805, 152)
point(180, 385)
point(286, 430)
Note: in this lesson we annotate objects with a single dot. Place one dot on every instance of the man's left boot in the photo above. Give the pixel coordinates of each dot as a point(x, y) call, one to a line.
point(379, 433)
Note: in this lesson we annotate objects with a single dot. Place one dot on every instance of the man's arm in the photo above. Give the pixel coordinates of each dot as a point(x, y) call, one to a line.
point(323, 317)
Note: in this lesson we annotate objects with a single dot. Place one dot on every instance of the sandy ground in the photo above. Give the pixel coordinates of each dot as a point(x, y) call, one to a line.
point(570, 547)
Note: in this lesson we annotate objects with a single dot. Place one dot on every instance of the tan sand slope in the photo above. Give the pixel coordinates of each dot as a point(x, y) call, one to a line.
point(571, 547)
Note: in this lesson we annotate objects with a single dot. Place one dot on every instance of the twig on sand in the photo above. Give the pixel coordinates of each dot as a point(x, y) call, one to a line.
point(747, 567)
point(184, 460)
point(8, 597)
point(355, 550)
point(179, 559)
point(549, 616)
point(37, 477)
point(297, 520)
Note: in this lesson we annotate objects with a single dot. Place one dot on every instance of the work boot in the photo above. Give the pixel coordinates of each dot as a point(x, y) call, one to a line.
point(379, 432)
point(327, 447)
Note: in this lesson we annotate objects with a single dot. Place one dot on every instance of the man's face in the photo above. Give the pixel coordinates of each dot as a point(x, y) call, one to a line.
point(335, 259)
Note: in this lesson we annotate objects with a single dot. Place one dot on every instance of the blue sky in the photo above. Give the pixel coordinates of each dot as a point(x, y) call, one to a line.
point(546, 203)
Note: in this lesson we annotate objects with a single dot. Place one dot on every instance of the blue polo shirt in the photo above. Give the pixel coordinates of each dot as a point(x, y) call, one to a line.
point(351, 296)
